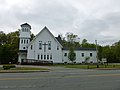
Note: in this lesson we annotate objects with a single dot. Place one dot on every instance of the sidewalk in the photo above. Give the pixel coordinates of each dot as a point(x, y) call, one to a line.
point(23, 71)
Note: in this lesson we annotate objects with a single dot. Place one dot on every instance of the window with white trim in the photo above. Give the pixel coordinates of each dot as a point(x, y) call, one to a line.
point(40, 45)
point(49, 45)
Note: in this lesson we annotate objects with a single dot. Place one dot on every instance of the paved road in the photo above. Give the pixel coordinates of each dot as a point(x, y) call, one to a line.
point(62, 79)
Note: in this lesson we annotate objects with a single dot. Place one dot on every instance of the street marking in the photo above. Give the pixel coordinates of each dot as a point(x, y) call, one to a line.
point(106, 75)
point(65, 76)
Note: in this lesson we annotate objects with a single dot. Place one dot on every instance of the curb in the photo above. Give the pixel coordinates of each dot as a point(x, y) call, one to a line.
point(107, 68)
point(22, 71)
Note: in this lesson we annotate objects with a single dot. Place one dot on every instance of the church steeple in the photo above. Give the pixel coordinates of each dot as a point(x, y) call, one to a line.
point(24, 36)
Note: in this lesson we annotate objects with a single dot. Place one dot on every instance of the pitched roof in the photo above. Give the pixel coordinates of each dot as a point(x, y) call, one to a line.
point(80, 48)
point(45, 28)
point(25, 24)
point(59, 40)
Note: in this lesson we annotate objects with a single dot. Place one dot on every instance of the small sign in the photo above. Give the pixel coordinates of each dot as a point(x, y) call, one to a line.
point(104, 60)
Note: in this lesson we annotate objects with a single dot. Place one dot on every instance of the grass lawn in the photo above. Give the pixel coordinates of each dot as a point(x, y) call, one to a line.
point(25, 68)
point(92, 66)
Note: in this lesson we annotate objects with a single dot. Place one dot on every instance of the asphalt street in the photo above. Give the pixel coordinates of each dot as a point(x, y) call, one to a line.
point(62, 79)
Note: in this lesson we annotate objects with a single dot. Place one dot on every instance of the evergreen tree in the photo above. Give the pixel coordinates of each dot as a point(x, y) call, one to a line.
point(72, 54)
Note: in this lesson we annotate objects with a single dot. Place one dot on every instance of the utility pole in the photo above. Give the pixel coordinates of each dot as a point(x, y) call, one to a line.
point(97, 54)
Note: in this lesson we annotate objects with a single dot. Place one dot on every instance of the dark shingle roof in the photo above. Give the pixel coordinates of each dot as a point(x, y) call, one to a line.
point(80, 48)
point(59, 40)
point(25, 25)
point(23, 51)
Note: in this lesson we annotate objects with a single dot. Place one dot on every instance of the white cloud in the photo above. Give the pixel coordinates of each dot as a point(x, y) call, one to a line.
point(90, 19)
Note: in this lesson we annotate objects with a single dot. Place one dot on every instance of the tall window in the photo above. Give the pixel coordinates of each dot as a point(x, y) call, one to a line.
point(21, 41)
point(31, 47)
point(25, 29)
point(44, 56)
point(50, 56)
point(22, 29)
point(82, 54)
point(47, 56)
point(40, 45)
point(27, 41)
point(41, 56)
point(49, 45)
point(57, 47)
point(24, 41)
point(38, 56)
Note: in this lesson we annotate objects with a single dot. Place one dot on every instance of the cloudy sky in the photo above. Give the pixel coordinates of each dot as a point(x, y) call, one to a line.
point(90, 19)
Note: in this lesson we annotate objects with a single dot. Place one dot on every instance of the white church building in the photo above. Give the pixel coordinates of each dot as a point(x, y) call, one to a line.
point(47, 48)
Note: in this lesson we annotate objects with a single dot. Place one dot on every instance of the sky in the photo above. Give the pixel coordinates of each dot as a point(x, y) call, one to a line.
point(90, 19)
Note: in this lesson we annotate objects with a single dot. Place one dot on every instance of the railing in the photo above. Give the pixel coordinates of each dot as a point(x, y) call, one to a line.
point(36, 62)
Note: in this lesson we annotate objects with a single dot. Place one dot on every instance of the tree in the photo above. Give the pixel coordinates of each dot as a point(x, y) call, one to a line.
point(72, 55)
point(87, 61)
point(71, 39)
point(100, 53)
point(9, 49)
point(32, 36)
point(3, 38)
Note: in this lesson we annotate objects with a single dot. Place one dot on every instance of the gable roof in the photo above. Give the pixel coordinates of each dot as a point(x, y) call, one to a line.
point(59, 40)
point(45, 28)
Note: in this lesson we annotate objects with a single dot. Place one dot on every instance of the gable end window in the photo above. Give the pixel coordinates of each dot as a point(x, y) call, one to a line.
point(49, 45)
point(40, 45)
point(57, 47)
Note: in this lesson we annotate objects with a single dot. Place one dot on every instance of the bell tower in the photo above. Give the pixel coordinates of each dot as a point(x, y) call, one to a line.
point(24, 40)
point(24, 36)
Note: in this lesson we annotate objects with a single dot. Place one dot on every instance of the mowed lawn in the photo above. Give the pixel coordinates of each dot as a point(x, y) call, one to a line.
point(26, 68)
point(92, 66)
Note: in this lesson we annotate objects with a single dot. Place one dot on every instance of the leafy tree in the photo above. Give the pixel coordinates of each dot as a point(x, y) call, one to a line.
point(32, 36)
point(9, 50)
point(87, 61)
point(100, 53)
point(3, 38)
point(70, 39)
point(72, 55)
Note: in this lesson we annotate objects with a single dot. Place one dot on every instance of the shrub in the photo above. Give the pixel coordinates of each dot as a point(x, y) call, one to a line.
point(6, 67)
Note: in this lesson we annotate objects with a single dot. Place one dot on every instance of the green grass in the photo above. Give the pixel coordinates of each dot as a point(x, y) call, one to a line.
point(26, 68)
point(81, 66)
point(92, 66)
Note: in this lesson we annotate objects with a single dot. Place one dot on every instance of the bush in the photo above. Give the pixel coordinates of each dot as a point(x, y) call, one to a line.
point(6, 67)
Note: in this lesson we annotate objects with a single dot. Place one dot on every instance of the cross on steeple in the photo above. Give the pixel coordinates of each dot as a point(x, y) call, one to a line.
point(44, 46)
